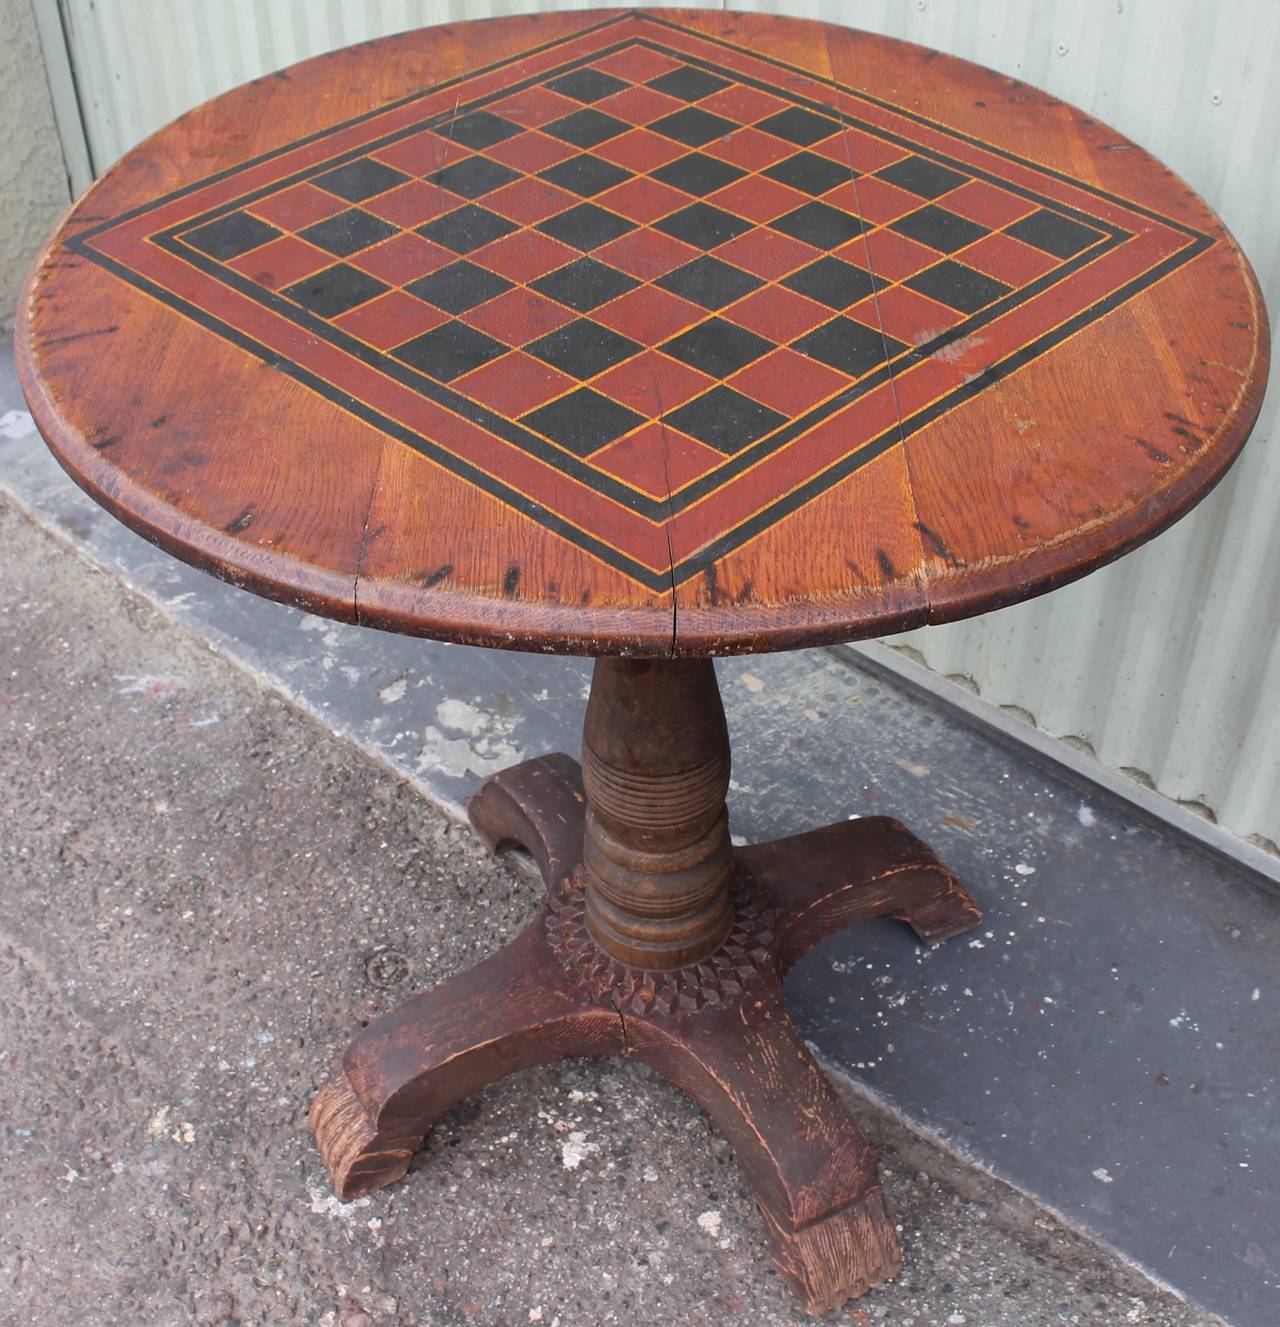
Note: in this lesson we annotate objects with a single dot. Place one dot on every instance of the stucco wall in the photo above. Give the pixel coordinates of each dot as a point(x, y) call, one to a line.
point(33, 184)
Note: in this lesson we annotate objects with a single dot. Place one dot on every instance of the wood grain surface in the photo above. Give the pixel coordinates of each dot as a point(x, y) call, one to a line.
point(659, 332)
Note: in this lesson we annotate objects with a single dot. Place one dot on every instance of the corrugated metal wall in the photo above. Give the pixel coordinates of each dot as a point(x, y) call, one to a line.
point(1169, 662)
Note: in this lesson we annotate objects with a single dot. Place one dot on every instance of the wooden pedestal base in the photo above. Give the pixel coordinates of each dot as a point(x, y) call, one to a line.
point(715, 1026)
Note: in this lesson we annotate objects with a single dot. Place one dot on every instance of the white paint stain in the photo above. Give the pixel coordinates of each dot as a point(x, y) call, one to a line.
point(709, 1223)
point(325, 1204)
point(916, 771)
point(1085, 815)
point(1023, 869)
point(1102, 1174)
point(393, 691)
point(576, 1149)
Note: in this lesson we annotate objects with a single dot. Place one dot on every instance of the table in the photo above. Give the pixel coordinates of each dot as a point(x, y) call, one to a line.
point(651, 336)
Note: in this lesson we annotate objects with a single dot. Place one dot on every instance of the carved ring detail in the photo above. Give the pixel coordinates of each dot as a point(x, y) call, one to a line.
point(720, 979)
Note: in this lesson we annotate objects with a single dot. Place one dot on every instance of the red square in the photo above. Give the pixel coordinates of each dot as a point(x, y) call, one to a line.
point(891, 255)
point(534, 106)
point(529, 201)
point(391, 320)
point(530, 151)
point(639, 150)
point(412, 203)
point(636, 63)
point(299, 206)
point(652, 383)
point(646, 254)
point(402, 258)
point(657, 459)
point(880, 201)
point(758, 199)
point(636, 105)
point(780, 315)
point(987, 204)
point(767, 253)
point(749, 148)
point(741, 103)
point(1007, 259)
point(281, 262)
point(905, 315)
point(643, 199)
point(852, 147)
point(421, 153)
point(514, 384)
point(788, 382)
point(523, 256)
point(518, 316)
point(648, 315)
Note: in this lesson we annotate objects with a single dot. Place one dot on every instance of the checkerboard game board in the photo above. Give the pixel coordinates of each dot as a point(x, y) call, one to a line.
point(641, 279)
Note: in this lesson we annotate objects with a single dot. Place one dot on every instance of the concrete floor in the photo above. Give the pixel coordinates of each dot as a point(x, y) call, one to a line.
point(203, 893)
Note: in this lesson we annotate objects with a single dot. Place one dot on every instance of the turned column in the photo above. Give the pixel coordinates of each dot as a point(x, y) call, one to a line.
point(655, 766)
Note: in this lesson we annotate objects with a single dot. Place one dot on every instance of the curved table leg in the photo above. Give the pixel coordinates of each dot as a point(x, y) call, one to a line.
point(509, 1012)
point(853, 871)
point(539, 806)
point(815, 1177)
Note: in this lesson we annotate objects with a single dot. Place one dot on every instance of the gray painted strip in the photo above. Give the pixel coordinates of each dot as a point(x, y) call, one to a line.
point(1107, 1042)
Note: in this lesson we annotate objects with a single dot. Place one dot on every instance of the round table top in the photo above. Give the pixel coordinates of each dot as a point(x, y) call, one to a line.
point(653, 332)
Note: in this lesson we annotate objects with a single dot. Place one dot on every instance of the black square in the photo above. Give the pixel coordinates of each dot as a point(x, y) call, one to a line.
point(479, 130)
point(348, 232)
point(449, 351)
point(583, 348)
point(709, 282)
point(586, 226)
point(833, 282)
point(335, 290)
point(703, 225)
point(821, 225)
point(585, 128)
point(1054, 233)
point(467, 228)
point(958, 286)
point(698, 174)
point(848, 346)
point(693, 127)
point(473, 177)
point(585, 175)
point(799, 126)
point(717, 347)
point(939, 229)
point(583, 421)
point(920, 176)
point(230, 236)
point(586, 85)
point(360, 179)
point(687, 83)
point(809, 172)
point(583, 285)
point(458, 287)
point(725, 419)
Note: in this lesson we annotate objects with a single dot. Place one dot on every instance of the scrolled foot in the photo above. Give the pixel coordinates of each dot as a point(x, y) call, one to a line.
point(815, 1177)
point(847, 873)
point(357, 1156)
point(838, 1257)
point(516, 1009)
point(539, 806)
